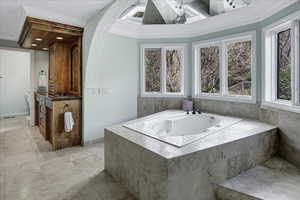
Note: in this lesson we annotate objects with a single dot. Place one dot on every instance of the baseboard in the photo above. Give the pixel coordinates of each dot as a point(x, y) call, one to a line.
point(13, 115)
point(93, 141)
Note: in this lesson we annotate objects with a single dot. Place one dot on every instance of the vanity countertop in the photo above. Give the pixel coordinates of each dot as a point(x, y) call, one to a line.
point(58, 98)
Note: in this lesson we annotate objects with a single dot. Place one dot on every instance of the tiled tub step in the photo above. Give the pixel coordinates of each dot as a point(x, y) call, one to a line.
point(275, 180)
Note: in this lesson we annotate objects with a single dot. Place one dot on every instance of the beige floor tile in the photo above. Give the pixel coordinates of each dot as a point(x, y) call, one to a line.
point(30, 170)
point(1, 186)
point(107, 188)
point(25, 177)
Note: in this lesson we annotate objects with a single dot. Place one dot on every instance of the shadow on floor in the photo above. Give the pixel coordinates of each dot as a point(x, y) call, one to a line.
point(100, 187)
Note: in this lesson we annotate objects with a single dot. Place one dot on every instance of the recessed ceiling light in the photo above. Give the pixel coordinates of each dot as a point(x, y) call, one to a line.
point(45, 49)
point(34, 45)
point(39, 39)
point(59, 38)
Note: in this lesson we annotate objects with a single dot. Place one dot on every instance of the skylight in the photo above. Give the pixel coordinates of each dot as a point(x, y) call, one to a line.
point(136, 13)
point(179, 11)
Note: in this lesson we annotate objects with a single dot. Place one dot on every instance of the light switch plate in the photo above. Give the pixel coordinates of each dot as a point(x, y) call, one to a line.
point(106, 91)
point(1, 75)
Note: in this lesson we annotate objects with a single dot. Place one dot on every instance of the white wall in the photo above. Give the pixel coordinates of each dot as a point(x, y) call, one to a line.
point(111, 95)
point(110, 66)
point(15, 65)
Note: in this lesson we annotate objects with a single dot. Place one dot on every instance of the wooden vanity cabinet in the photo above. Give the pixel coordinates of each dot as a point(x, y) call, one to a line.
point(64, 43)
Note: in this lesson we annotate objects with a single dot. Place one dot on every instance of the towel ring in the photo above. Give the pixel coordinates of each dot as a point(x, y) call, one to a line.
point(67, 108)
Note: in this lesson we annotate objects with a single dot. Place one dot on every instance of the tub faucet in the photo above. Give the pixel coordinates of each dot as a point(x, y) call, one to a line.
point(194, 112)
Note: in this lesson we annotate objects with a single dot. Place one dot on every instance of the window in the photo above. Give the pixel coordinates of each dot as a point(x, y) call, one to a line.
point(284, 88)
point(224, 69)
point(210, 69)
point(153, 70)
point(281, 69)
point(239, 68)
point(174, 58)
point(162, 70)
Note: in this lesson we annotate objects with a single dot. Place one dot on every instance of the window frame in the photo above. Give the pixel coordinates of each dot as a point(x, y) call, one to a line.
point(224, 92)
point(197, 68)
point(274, 68)
point(163, 81)
point(270, 65)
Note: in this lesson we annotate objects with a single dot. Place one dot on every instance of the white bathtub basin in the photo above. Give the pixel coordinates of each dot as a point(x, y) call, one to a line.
point(179, 129)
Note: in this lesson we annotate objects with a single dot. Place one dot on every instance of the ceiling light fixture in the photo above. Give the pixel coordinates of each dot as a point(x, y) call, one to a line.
point(34, 45)
point(45, 49)
point(59, 38)
point(39, 39)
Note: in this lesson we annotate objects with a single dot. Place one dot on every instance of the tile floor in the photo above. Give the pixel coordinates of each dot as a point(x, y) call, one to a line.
point(30, 170)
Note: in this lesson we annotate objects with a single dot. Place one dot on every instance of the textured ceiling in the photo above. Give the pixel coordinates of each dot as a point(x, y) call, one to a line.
point(73, 12)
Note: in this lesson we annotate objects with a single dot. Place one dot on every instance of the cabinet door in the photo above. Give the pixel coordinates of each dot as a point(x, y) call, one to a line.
point(75, 71)
point(52, 63)
point(52, 71)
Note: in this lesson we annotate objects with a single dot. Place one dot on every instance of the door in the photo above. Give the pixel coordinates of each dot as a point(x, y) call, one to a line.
point(2, 107)
point(14, 82)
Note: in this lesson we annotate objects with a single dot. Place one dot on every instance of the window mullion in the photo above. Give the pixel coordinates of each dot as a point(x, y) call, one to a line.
point(143, 73)
point(224, 69)
point(199, 75)
point(182, 71)
point(274, 66)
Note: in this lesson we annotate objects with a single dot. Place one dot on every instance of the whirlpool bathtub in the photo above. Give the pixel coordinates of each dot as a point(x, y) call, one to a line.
point(179, 128)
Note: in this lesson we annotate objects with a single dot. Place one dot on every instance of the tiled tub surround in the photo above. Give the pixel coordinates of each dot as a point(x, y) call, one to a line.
point(244, 110)
point(148, 106)
point(289, 132)
point(151, 169)
point(178, 128)
point(287, 122)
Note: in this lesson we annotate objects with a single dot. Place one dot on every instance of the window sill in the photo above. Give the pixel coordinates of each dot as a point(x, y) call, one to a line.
point(165, 95)
point(285, 106)
point(237, 99)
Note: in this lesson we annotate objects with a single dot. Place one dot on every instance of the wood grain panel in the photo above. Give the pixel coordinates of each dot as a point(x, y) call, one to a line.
point(49, 129)
point(61, 139)
point(75, 85)
point(36, 28)
point(59, 68)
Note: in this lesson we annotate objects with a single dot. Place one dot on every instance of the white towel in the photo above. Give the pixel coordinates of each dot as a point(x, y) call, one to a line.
point(69, 122)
